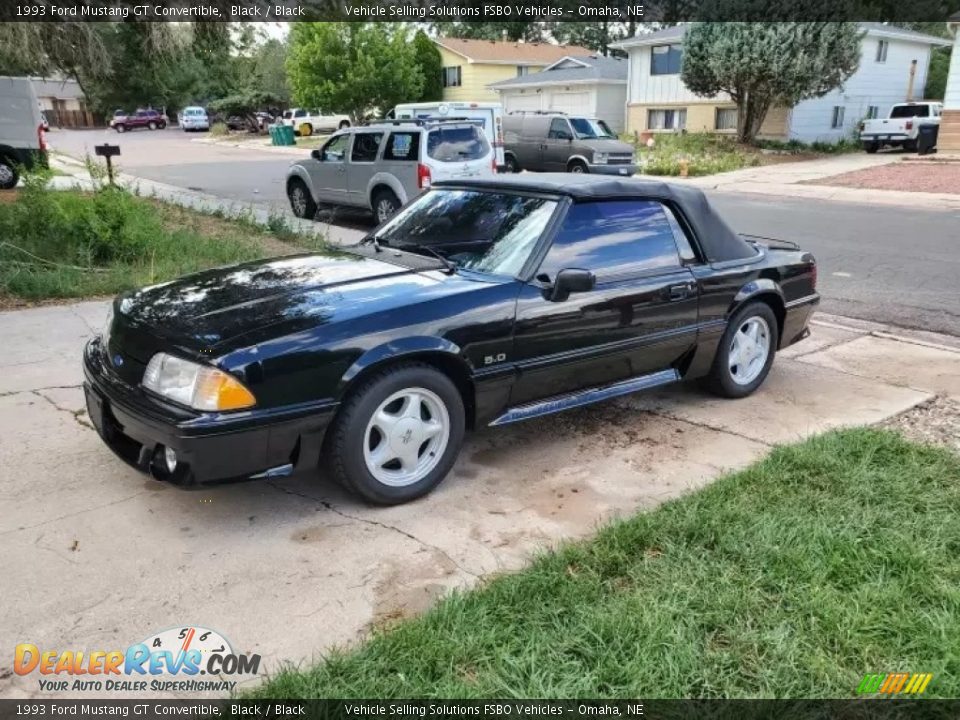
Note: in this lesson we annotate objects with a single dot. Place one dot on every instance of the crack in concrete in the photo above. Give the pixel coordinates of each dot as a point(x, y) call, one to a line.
point(75, 414)
point(329, 506)
point(82, 319)
point(70, 515)
point(8, 393)
point(715, 428)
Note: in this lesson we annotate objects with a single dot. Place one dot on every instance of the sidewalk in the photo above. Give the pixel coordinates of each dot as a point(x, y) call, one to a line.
point(293, 567)
point(788, 180)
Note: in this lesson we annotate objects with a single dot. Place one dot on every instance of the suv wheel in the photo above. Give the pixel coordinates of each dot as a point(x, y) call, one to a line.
point(301, 202)
point(344, 124)
point(399, 435)
point(385, 205)
point(511, 163)
point(577, 166)
point(306, 130)
point(151, 125)
point(746, 352)
point(8, 174)
point(120, 128)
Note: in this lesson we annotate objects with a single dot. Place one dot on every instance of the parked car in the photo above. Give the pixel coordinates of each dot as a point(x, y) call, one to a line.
point(484, 302)
point(149, 119)
point(306, 122)
point(901, 128)
point(555, 142)
point(22, 130)
point(381, 166)
point(193, 118)
point(489, 113)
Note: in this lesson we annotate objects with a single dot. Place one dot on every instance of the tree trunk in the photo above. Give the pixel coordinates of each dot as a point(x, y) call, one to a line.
point(752, 110)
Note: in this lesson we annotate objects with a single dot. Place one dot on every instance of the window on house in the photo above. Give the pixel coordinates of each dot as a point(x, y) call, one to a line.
point(452, 77)
point(837, 121)
point(665, 59)
point(873, 112)
point(675, 119)
point(882, 46)
point(523, 70)
point(726, 119)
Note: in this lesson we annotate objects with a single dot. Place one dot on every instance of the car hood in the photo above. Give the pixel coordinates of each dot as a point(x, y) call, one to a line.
point(607, 145)
point(210, 307)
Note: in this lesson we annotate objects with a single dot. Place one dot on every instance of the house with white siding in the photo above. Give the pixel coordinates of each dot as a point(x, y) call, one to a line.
point(588, 85)
point(949, 140)
point(893, 69)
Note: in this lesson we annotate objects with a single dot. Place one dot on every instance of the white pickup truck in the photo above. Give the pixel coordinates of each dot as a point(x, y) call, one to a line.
point(901, 128)
point(306, 122)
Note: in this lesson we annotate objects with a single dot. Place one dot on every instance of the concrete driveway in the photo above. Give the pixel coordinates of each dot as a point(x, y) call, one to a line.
point(96, 556)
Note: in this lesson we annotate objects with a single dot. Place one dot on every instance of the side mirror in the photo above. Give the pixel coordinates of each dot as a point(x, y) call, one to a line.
point(571, 280)
point(315, 154)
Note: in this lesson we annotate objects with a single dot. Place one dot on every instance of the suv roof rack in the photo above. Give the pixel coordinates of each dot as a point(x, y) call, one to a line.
point(420, 122)
point(536, 112)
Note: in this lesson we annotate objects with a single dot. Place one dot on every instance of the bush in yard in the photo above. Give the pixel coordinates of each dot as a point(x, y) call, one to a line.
point(704, 154)
point(765, 65)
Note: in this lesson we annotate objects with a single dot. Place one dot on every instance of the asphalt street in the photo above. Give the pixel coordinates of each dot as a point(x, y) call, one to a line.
point(892, 265)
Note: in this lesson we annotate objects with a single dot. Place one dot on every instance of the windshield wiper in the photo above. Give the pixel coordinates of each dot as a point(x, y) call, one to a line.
point(448, 265)
point(372, 240)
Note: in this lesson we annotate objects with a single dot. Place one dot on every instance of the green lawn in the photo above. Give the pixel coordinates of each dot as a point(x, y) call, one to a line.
point(829, 559)
point(67, 244)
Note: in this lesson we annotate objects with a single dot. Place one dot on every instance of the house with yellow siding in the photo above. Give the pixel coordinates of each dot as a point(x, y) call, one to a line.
point(470, 66)
point(893, 69)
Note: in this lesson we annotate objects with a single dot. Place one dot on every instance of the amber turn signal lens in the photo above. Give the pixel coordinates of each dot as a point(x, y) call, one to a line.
point(216, 390)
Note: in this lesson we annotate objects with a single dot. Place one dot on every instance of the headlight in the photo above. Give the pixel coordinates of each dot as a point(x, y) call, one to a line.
point(199, 386)
point(599, 158)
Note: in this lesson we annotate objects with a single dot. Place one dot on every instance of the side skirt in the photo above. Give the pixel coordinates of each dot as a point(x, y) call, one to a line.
point(579, 398)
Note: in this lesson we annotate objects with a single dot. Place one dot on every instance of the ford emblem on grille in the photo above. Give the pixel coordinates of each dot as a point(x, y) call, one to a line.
point(117, 360)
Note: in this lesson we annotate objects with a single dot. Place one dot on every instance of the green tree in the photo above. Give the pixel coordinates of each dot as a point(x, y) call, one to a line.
point(937, 77)
point(352, 68)
point(431, 67)
point(762, 65)
point(527, 30)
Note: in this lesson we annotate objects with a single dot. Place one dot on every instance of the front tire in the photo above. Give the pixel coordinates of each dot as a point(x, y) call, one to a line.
point(746, 352)
point(301, 201)
point(8, 174)
point(151, 125)
point(398, 435)
point(120, 128)
point(578, 167)
point(385, 205)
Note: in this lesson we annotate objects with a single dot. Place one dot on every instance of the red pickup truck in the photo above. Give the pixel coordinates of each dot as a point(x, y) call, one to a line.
point(150, 119)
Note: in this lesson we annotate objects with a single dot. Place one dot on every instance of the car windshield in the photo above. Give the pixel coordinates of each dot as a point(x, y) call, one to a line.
point(909, 111)
point(587, 129)
point(490, 232)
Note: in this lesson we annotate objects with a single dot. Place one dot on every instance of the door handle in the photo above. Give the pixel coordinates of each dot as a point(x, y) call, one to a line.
point(681, 291)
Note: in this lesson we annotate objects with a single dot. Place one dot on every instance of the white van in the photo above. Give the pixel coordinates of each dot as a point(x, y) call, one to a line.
point(22, 135)
point(193, 118)
point(491, 113)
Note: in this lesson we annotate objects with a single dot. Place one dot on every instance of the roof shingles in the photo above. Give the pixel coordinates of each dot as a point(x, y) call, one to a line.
point(509, 52)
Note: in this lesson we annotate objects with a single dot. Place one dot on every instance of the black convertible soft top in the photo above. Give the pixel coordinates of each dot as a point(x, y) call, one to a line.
point(717, 239)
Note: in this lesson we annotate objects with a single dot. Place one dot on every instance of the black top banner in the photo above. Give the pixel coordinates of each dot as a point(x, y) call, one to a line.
point(430, 11)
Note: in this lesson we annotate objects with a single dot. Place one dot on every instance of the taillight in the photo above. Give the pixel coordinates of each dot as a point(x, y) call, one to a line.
point(41, 137)
point(423, 176)
point(909, 125)
point(493, 163)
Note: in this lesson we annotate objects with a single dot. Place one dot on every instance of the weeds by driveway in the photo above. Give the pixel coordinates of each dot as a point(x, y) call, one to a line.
point(829, 559)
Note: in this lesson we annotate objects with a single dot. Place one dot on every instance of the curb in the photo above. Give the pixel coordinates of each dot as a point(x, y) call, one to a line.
point(925, 338)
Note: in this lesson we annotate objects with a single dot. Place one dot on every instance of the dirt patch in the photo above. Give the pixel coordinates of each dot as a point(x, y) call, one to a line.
point(9, 196)
point(936, 422)
point(928, 177)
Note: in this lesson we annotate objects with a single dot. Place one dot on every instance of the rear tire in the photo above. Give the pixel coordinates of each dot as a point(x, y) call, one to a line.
point(511, 164)
point(8, 174)
point(871, 148)
point(385, 205)
point(301, 201)
point(746, 352)
point(369, 444)
point(577, 166)
point(306, 130)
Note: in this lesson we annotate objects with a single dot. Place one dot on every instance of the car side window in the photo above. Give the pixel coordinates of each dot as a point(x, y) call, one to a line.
point(687, 253)
point(559, 129)
point(612, 239)
point(365, 147)
point(402, 146)
point(335, 149)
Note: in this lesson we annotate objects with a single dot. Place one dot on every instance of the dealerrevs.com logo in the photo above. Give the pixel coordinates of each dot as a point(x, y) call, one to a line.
point(184, 659)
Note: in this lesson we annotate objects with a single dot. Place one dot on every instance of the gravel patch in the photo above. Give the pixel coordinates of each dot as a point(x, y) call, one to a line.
point(936, 422)
point(926, 176)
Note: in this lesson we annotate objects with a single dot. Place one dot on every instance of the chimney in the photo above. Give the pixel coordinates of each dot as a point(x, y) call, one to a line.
point(913, 76)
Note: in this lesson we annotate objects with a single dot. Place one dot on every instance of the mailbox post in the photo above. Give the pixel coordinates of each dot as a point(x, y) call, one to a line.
point(108, 151)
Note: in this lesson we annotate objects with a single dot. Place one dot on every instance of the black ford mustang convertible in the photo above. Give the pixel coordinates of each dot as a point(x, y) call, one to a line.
point(483, 302)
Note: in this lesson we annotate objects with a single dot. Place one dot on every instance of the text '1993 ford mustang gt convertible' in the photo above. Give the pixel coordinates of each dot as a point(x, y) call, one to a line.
point(482, 302)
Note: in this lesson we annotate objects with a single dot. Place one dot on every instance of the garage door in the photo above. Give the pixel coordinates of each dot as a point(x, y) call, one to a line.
point(572, 103)
point(512, 103)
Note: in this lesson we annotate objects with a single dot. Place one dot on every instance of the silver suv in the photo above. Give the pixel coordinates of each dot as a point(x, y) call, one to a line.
point(382, 165)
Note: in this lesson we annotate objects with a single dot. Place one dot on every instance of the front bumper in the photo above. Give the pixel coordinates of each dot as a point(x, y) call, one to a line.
point(210, 447)
point(613, 169)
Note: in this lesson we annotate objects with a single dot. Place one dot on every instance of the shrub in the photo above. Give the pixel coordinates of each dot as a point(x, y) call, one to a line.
point(219, 129)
